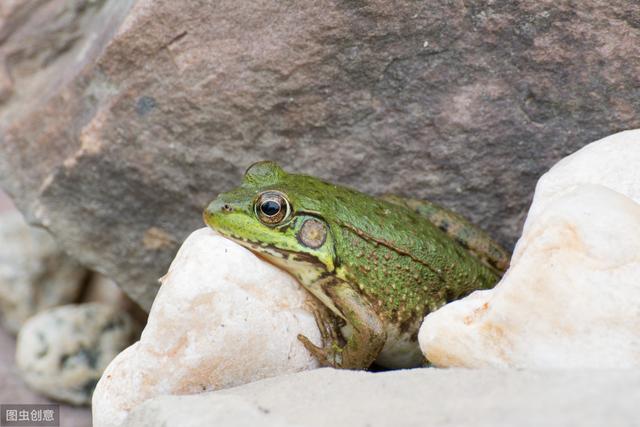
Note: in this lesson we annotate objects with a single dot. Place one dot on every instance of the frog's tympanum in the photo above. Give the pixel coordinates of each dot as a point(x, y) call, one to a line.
point(378, 264)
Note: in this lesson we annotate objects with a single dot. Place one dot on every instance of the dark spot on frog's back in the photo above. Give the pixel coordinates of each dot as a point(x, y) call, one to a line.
point(462, 242)
point(144, 105)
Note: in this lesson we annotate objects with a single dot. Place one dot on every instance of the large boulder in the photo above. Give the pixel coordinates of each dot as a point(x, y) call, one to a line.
point(120, 119)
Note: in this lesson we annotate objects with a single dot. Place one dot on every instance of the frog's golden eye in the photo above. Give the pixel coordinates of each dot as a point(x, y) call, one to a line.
point(272, 207)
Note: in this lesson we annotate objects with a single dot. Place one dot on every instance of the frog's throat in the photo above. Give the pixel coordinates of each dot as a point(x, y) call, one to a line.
point(281, 257)
point(308, 269)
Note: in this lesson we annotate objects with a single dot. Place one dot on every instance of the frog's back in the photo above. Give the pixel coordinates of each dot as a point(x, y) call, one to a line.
point(401, 261)
point(408, 266)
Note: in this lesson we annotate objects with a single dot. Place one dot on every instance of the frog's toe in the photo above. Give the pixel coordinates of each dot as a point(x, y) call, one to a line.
point(328, 329)
point(328, 355)
point(330, 351)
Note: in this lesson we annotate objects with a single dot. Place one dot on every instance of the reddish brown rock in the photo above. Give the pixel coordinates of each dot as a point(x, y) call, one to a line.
point(121, 119)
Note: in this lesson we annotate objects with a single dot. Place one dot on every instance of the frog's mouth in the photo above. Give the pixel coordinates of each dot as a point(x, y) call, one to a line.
point(287, 260)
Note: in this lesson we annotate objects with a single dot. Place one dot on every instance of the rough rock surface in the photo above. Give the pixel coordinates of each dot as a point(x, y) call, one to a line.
point(14, 390)
point(146, 109)
point(63, 351)
point(570, 298)
point(416, 397)
point(222, 317)
point(35, 273)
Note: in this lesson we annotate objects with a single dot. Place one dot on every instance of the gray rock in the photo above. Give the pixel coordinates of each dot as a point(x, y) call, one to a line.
point(146, 109)
point(62, 352)
point(416, 397)
point(35, 273)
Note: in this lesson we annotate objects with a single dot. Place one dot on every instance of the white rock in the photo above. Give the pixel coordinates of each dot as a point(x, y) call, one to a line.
point(571, 297)
point(222, 317)
point(61, 352)
point(35, 273)
point(413, 397)
point(613, 162)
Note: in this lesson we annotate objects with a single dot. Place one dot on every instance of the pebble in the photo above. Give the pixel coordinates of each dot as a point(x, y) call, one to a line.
point(61, 352)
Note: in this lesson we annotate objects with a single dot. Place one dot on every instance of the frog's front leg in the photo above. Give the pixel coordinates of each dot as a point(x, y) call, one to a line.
point(368, 334)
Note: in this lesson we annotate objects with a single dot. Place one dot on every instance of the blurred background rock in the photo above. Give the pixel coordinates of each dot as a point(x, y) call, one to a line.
point(35, 274)
point(121, 119)
point(75, 315)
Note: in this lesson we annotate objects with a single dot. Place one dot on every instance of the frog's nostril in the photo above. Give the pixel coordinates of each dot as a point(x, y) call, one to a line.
point(226, 208)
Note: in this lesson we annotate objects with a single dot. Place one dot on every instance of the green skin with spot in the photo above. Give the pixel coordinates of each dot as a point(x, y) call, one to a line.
point(378, 264)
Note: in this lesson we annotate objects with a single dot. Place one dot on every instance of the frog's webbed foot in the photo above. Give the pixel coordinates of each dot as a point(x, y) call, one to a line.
point(367, 338)
point(329, 354)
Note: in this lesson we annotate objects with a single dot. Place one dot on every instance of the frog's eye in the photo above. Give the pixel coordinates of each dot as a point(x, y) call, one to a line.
point(272, 207)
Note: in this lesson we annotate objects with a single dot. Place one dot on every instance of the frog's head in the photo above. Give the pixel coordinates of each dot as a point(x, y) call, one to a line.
point(276, 215)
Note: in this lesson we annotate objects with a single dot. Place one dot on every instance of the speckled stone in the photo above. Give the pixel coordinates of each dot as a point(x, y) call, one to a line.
point(14, 390)
point(35, 273)
point(62, 352)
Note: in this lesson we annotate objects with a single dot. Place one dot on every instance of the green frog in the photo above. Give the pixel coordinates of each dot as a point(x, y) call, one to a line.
point(377, 264)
